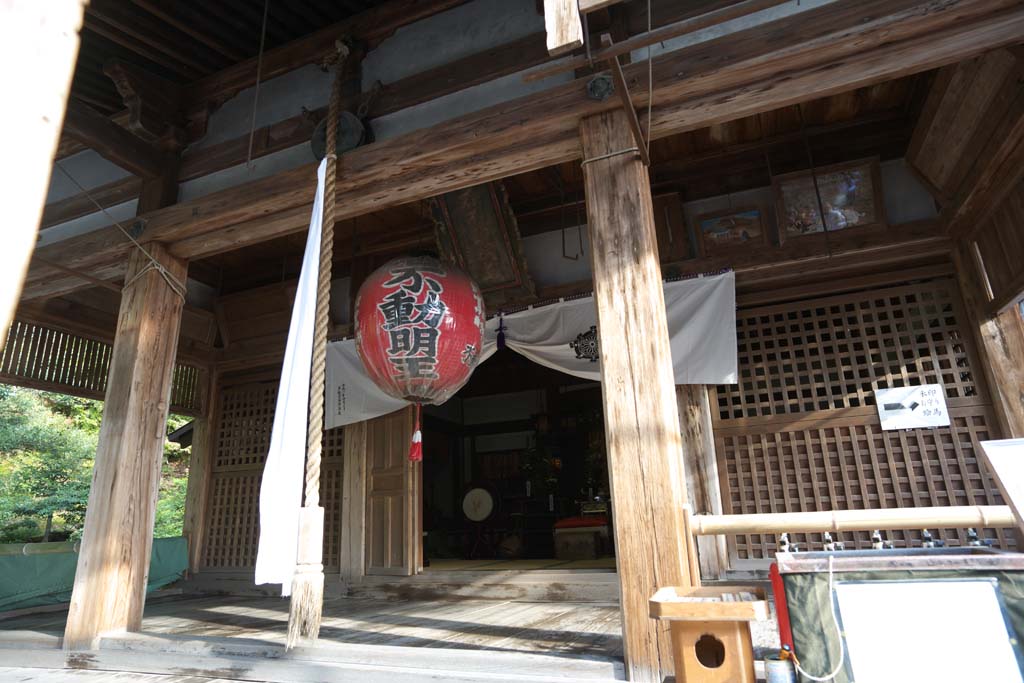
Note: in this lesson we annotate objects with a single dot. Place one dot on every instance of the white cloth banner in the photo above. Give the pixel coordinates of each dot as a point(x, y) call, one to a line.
point(281, 488)
point(701, 315)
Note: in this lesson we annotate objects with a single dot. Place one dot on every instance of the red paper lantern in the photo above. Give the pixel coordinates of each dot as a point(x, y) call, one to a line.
point(419, 329)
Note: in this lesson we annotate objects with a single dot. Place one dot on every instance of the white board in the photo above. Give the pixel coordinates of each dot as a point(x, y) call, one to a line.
point(935, 631)
point(1005, 459)
point(912, 407)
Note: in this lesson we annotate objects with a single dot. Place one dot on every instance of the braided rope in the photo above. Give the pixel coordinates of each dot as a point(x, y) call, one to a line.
point(315, 430)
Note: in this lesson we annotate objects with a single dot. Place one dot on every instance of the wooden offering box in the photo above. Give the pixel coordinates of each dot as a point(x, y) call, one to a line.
point(710, 631)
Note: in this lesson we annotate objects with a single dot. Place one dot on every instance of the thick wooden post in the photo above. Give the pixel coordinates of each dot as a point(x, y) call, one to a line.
point(1000, 342)
point(113, 564)
point(645, 463)
point(200, 467)
point(701, 466)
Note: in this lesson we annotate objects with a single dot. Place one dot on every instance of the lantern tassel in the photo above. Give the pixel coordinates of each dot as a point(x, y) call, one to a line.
point(416, 447)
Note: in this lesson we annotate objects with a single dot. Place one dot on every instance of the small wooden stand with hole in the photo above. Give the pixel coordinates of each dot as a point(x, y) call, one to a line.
point(710, 631)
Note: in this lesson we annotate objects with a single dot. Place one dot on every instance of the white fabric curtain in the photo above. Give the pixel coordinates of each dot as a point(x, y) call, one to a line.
point(701, 315)
point(282, 485)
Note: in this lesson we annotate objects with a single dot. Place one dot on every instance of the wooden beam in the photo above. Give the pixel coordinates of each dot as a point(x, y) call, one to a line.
point(645, 462)
point(75, 206)
point(701, 467)
point(563, 26)
point(622, 88)
point(659, 35)
point(112, 142)
point(845, 45)
point(968, 145)
point(369, 28)
point(588, 6)
point(1000, 343)
point(110, 583)
point(38, 54)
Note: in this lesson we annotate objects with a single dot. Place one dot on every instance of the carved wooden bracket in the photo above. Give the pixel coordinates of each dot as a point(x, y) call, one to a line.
point(154, 104)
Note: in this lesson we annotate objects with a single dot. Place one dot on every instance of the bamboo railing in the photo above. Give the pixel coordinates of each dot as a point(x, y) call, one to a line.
point(954, 517)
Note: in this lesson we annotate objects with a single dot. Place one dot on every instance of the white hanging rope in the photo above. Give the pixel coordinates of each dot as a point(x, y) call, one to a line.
point(839, 633)
point(176, 285)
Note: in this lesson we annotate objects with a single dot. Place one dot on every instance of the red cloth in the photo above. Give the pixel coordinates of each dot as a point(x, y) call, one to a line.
point(781, 607)
point(582, 522)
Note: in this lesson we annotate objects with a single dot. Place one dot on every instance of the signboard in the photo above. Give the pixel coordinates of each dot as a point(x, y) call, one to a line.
point(926, 629)
point(912, 407)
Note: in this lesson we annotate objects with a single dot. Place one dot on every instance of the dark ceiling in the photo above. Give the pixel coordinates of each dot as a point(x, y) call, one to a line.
point(185, 40)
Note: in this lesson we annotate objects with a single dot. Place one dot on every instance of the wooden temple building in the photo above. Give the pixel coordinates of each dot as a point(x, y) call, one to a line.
point(857, 164)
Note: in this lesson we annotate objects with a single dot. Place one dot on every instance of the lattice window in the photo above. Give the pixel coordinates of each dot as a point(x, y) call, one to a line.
point(45, 358)
point(833, 353)
point(331, 476)
point(243, 439)
point(330, 497)
point(334, 444)
point(855, 466)
point(243, 436)
point(233, 531)
point(800, 432)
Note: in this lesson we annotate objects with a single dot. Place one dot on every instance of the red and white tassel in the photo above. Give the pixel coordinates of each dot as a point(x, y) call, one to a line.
point(416, 447)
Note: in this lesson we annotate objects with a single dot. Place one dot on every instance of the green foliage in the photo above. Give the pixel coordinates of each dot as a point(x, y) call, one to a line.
point(170, 506)
point(83, 413)
point(45, 467)
point(47, 446)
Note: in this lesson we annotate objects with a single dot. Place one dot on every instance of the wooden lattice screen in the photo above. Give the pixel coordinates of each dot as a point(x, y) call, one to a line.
point(800, 430)
point(46, 358)
point(246, 414)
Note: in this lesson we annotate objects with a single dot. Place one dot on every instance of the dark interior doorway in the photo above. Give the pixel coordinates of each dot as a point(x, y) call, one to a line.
point(515, 470)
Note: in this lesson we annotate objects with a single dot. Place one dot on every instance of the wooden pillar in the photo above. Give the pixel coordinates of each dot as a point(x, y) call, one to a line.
point(39, 49)
point(1000, 342)
point(200, 467)
point(113, 563)
point(645, 464)
point(701, 467)
point(353, 504)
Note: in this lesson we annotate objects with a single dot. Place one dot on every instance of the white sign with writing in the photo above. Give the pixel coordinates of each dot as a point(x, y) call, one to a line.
point(912, 407)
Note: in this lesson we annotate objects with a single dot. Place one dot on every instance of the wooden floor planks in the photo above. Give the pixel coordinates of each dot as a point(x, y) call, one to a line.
point(509, 626)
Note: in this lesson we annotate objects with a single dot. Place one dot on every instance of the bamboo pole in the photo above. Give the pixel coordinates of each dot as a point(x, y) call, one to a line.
point(979, 516)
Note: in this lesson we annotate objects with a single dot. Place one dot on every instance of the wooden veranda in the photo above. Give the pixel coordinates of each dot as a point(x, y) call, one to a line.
point(184, 157)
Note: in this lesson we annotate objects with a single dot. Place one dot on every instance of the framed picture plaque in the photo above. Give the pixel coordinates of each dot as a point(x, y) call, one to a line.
point(725, 231)
point(851, 196)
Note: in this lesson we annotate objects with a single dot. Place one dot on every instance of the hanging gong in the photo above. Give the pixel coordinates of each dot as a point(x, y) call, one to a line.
point(350, 135)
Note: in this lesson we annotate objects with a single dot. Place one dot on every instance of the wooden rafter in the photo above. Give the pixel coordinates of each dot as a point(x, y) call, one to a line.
point(189, 29)
point(148, 37)
point(368, 28)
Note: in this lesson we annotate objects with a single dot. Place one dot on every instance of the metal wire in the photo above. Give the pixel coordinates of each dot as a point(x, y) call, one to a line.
point(174, 283)
point(259, 73)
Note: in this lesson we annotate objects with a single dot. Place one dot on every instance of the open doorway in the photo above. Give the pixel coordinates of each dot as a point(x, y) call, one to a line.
point(515, 473)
